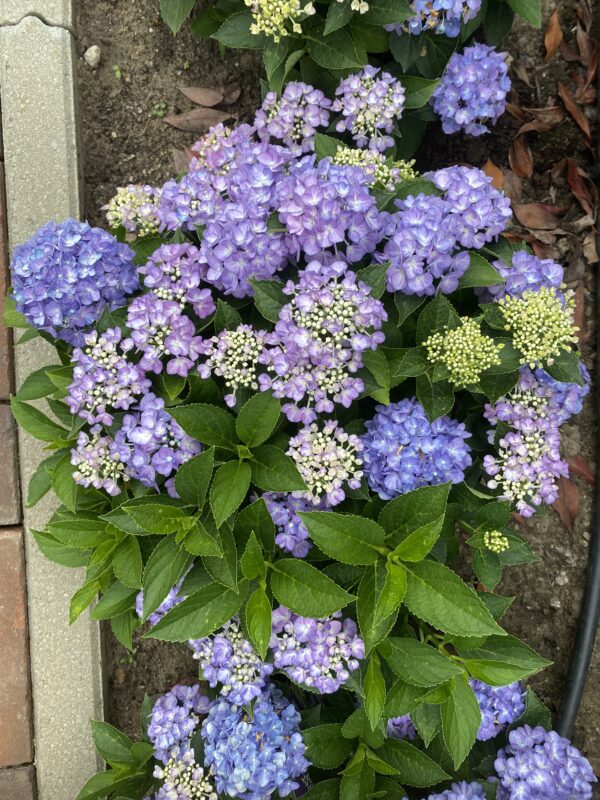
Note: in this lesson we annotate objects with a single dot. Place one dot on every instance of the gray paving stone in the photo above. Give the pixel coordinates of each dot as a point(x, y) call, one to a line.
point(38, 107)
point(53, 12)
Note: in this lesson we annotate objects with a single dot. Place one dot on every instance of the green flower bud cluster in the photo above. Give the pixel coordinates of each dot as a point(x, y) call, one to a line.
point(496, 542)
point(376, 166)
point(134, 208)
point(541, 324)
point(272, 16)
point(465, 351)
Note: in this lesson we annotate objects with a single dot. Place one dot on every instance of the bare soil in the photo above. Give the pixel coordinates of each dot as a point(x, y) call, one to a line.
point(126, 140)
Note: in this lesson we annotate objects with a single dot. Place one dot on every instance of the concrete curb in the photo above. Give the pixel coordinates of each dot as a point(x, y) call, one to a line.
point(42, 182)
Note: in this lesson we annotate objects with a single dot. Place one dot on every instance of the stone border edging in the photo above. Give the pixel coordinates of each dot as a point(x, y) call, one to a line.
point(37, 91)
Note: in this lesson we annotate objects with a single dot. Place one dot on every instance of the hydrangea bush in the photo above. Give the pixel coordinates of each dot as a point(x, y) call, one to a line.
point(286, 417)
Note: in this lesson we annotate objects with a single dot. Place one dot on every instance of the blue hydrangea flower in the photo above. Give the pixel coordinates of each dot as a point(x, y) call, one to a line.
point(499, 705)
point(253, 757)
point(444, 17)
point(292, 534)
point(461, 791)
point(541, 765)
point(525, 273)
point(401, 728)
point(174, 718)
point(403, 450)
point(472, 90)
point(67, 274)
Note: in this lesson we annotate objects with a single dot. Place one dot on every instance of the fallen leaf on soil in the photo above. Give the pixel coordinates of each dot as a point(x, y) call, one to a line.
point(231, 93)
point(536, 125)
point(568, 53)
point(574, 110)
point(553, 37)
point(198, 120)
point(584, 13)
point(536, 215)
point(202, 95)
point(521, 72)
point(590, 251)
point(180, 160)
point(551, 115)
point(495, 173)
point(582, 187)
point(567, 503)
point(520, 158)
point(516, 111)
point(513, 186)
point(579, 466)
point(585, 44)
point(579, 315)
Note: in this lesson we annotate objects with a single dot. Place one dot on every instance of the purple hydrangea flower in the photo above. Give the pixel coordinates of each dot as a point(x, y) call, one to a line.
point(162, 333)
point(472, 90)
point(327, 460)
point(152, 444)
point(188, 203)
point(104, 380)
point(235, 355)
point(539, 765)
point(295, 117)
point(401, 728)
point(98, 462)
point(370, 101)
point(461, 791)
point(252, 758)
point(320, 653)
point(174, 272)
point(441, 16)
point(67, 274)
point(174, 718)
point(525, 273)
point(228, 658)
point(323, 205)
point(499, 705)
point(183, 779)
point(292, 534)
point(172, 599)
point(403, 450)
point(322, 333)
point(218, 148)
point(478, 212)
point(567, 398)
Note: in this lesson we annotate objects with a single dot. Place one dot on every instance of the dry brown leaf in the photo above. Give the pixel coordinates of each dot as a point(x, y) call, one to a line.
point(513, 186)
point(553, 37)
point(568, 53)
point(585, 44)
point(495, 173)
point(231, 93)
point(579, 316)
point(567, 503)
point(202, 95)
point(584, 13)
point(582, 188)
point(180, 160)
point(535, 125)
point(198, 120)
point(580, 467)
point(590, 250)
point(516, 111)
point(574, 110)
point(520, 71)
point(537, 216)
point(551, 115)
point(543, 250)
point(520, 158)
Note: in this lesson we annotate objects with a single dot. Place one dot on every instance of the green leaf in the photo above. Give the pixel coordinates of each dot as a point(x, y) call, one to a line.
point(199, 542)
point(502, 660)
point(59, 553)
point(338, 15)
point(226, 317)
point(565, 367)
point(12, 318)
point(199, 614)
point(258, 621)
point(224, 568)
point(437, 399)
point(414, 363)
point(324, 790)
point(427, 721)
point(496, 386)
point(36, 385)
point(374, 688)
point(164, 568)
point(411, 765)
point(406, 304)
point(497, 22)
point(257, 419)
point(306, 590)
point(123, 626)
point(228, 489)
point(480, 273)
point(207, 21)
point(437, 595)
point(326, 747)
point(495, 603)
point(402, 698)
point(535, 713)
point(63, 483)
point(117, 599)
point(379, 596)
point(79, 531)
point(345, 537)
point(436, 316)
point(40, 483)
point(252, 561)
point(530, 10)
point(461, 718)
point(273, 471)
point(208, 424)
point(326, 146)
point(487, 567)
point(193, 477)
point(375, 277)
point(269, 297)
point(156, 518)
point(419, 664)
point(127, 563)
point(256, 517)
point(82, 599)
point(418, 90)
point(414, 511)
point(175, 12)
point(98, 786)
point(235, 32)
point(369, 38)
point(359, 782)
point(37, 424)
point(334, 51)
point(384, 12)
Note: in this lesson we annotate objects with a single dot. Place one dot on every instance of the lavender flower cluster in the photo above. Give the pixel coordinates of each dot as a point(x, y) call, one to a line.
point(444, 17)
point(472, 90)
point(174, 718)
point(292, 534)
point(525, 273)
point(500, 706)
point(318, 653)
point(403, 450)
point(294, 118)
